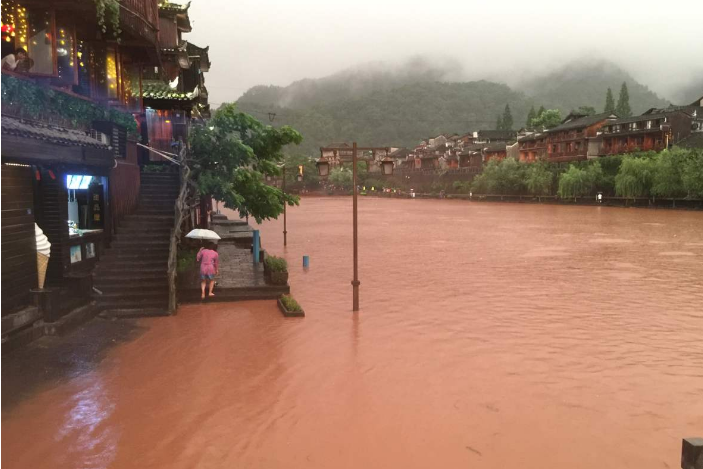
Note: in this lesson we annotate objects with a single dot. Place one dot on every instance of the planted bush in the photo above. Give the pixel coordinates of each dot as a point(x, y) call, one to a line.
point(276, 264)
point(290, 303)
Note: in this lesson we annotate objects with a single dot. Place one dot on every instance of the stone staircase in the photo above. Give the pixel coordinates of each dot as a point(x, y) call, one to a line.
point(132, 273)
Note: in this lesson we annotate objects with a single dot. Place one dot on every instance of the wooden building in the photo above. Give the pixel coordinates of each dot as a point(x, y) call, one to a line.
point(573, 139)
point(69, 132)
point(655, 130)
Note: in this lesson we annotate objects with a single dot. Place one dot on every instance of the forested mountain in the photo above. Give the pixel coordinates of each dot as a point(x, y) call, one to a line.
point(584, 83)
point(400, 107)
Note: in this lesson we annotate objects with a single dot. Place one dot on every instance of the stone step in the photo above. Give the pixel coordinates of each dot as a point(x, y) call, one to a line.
point(120, 265)
point(155, 211)
point(133, 295)
point(111, 303)
point(140, 233)
point(134, 313)
point(139, 249)
point(150, 286)
point(131, 276)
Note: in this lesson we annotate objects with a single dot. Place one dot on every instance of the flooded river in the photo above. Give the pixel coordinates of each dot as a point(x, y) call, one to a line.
point(490, 336)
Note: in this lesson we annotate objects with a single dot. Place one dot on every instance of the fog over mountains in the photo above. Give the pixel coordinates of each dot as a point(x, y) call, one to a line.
point(398, 105)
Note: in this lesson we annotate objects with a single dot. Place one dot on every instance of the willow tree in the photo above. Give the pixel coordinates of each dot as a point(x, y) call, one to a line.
point(232, 155)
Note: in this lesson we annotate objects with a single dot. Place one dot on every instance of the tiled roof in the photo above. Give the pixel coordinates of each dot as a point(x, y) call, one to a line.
point(174, 7)
point(497, 134)
point(644, 117)
point(582, 122)
point(693, 141)
point(155, 89)
point(498, 146)
point(48, 133)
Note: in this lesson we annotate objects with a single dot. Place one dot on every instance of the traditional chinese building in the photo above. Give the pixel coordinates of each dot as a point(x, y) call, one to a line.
point(575, 138)
point(655, 130)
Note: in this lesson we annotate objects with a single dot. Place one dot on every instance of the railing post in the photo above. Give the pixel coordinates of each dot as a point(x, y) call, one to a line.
point(256, 245)
point(692, 453)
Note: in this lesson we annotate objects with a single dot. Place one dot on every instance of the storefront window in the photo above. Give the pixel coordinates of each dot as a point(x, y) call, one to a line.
point(65, 54)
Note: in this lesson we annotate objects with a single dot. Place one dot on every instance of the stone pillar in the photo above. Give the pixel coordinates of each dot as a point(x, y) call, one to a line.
point(692, 453)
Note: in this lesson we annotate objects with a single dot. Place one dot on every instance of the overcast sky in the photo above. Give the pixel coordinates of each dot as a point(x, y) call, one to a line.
point(254, 42)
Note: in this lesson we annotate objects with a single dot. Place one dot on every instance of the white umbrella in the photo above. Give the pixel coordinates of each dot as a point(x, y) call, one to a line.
point(207, 235)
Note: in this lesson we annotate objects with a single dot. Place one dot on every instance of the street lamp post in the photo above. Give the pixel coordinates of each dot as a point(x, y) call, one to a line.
point(323, 168)
point(283, 189)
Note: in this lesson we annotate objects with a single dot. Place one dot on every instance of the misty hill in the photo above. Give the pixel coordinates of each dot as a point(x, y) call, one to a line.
point(352, 83)
point(402, 106)
point(585, 83)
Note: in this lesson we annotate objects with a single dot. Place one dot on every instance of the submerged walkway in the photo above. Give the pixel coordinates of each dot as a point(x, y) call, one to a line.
point(239, 279)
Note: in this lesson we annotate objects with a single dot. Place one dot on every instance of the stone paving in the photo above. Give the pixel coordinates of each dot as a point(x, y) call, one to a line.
point(240, 278)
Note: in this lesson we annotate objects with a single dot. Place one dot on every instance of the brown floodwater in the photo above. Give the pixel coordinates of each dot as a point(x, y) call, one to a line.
point(490, 336)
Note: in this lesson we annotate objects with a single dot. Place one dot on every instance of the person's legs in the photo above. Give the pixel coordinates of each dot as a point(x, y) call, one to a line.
point(212, 286)
point(202, 289)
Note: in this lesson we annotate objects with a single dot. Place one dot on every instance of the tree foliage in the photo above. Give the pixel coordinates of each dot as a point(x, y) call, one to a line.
point(692, 174)
point(586, 110)
point(580, 182)
point(547, 119)
point(501, 177)
point(507, 122)
point(341, 178)
point(609, 102)
point(623, 107)
point(539, 178)
point(530, 117)
point(668, 168)
point(635, 177)
point(230, 158)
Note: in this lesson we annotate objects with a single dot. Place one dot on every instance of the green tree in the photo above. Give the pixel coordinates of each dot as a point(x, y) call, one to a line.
point(609, 102)
point(540, 111)
point(580, 182)
point(310, 176)
point(230, 157)
point(547, 119)
point(692, 174)
point(341, 178)
point(635, 177)
point(623, 107)
point(587, 110)
point(499, 123)
point(530, 116)
point(507, 119)
point(668, 166)
point(538, 178)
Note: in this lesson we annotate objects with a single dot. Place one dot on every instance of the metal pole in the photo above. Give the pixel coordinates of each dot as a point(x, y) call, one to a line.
point(355, 282)
point(283, 189)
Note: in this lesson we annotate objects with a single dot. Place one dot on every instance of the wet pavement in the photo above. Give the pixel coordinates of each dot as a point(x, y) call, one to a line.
point(490, 335)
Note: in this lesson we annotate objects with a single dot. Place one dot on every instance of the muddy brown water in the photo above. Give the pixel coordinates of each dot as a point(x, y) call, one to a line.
point(490, 336)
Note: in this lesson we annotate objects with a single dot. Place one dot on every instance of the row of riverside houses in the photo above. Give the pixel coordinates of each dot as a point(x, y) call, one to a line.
point(79, 93)
point(581, 137)
point(578, 137)
point(446, 151)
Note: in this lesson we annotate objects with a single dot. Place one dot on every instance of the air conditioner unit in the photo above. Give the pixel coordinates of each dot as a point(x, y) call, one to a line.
point(99, 136)
point(665, 127)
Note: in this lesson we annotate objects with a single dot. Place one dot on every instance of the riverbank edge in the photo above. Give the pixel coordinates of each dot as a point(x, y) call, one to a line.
point(639, 202)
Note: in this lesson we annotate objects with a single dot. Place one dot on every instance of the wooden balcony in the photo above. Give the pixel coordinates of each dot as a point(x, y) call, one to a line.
point(140, 18)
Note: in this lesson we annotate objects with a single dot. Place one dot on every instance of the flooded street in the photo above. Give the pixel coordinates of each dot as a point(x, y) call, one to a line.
point(490, 336)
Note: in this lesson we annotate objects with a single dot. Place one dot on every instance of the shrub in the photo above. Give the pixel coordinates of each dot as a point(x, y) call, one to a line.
point(668, 167)
point(692, 174)
point(186, 259)
point(635, 177)
point(290, 303)
point(577, 182)
point(538, 179)
point(461, 187)
point(276, 264)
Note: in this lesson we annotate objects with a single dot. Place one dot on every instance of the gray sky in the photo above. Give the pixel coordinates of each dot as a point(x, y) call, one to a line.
point(260, 42)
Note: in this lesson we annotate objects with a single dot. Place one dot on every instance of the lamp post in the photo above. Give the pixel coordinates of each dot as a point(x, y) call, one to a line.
point(283, 189)
point(323, 169)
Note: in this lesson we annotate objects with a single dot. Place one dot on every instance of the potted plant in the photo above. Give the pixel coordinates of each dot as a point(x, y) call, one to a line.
point(278, 268)
point(289, 307)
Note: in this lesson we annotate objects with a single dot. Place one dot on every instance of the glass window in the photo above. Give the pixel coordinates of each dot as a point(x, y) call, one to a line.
point(65, 54)
point(39, 42)
point(105, 69)
point(84, 60)
point(131, 89)
point(28, 29)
